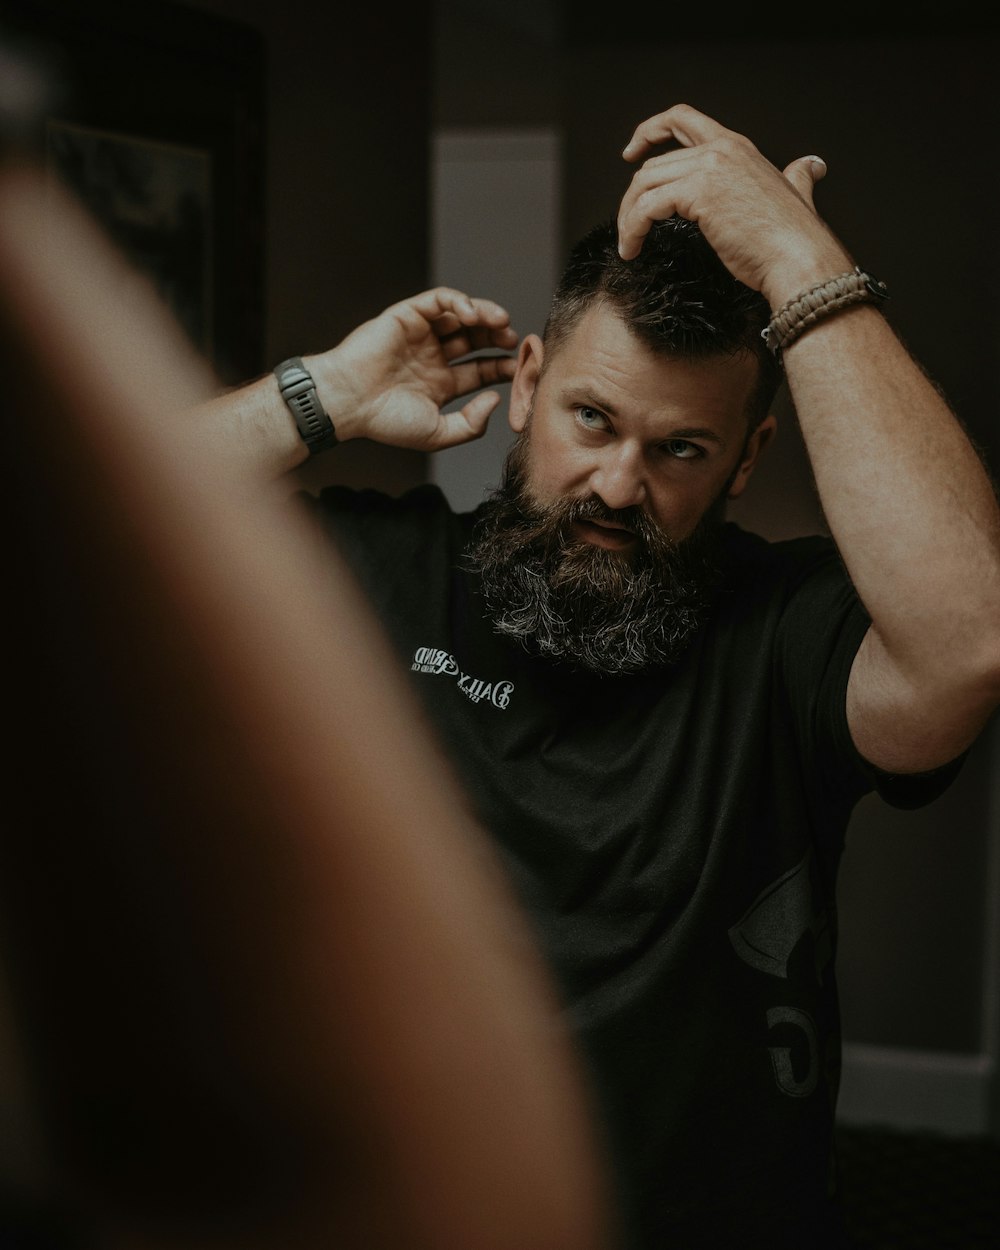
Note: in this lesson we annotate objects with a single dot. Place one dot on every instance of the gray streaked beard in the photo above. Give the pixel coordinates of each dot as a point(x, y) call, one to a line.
point(611, 612)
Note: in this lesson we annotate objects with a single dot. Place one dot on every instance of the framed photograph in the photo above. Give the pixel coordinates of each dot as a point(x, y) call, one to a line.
point(153, 117)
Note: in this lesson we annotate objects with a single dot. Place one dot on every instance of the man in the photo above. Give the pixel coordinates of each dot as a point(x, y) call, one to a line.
point(665, 721)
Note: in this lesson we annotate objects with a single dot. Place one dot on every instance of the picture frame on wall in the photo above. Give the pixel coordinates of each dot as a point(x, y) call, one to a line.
point(153, 117)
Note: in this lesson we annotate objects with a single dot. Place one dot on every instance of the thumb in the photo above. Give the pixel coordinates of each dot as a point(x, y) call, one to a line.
point(469, 422)
point(804, 173)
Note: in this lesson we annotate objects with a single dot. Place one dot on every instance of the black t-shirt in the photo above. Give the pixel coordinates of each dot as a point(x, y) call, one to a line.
point(674, 837)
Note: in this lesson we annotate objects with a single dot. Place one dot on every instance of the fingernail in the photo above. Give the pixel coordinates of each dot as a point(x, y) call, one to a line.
point(817, 160)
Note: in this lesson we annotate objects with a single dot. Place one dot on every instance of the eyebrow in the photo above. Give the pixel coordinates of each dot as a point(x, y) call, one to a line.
point(587, 399)
point(697, 431)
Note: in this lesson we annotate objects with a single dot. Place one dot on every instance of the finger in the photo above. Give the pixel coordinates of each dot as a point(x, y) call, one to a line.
point(440, 301)
point(470, 421)
point(470, 375)
point(447, 325)
point(444, 310)
point(479, 338)
point(681, 124)
point(490, 313)
point(804, 173)
point(636, 221)
point(447, 303)
point(632, 231)
point(652, 196)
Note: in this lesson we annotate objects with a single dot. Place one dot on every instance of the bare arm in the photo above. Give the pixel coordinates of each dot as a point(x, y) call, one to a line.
point(908, 501)
point(387, 381)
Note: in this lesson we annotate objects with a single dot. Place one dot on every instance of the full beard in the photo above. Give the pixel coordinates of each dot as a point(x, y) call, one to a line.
point(607, 611)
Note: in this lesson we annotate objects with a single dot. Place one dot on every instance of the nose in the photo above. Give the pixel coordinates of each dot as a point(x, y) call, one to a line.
point(619, 477)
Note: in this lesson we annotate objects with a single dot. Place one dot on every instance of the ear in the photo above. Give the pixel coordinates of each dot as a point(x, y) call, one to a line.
point(756, 443)
point(522, 391)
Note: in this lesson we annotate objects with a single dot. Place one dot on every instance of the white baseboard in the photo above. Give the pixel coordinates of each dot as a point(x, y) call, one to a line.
point(916, 1089)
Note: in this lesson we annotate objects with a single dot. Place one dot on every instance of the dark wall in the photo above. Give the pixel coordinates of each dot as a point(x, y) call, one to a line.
point(348, 101)
point(316, 118)
point(153, 117)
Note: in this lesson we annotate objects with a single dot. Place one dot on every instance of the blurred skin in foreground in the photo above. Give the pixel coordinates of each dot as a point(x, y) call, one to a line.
point(267, 981)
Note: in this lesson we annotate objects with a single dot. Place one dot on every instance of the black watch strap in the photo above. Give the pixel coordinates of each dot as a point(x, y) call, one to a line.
point(298, 390)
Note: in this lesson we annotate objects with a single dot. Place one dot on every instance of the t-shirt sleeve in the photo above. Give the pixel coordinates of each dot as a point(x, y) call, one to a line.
point(821, 628)
point(377, 533)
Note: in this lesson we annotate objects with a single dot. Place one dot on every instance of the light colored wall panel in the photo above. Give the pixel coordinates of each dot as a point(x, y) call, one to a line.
point(495, 232)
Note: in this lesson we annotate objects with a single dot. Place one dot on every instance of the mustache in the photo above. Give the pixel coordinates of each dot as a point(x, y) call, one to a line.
point(593, 508)
point(551, 524)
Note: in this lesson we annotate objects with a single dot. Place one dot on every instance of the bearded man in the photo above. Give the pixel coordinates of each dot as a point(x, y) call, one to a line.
point(664, 721)
point(587, 572)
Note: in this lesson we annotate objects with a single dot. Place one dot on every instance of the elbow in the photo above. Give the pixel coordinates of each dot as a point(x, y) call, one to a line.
point(977, 670)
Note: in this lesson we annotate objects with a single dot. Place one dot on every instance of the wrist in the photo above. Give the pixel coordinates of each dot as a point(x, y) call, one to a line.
point(298, 390)
point(801, 273)
point(335, 385)
point(840, 291)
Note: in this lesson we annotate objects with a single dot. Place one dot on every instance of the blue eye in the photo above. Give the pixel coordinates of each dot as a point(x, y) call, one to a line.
point(592, 418)
point(681, 449)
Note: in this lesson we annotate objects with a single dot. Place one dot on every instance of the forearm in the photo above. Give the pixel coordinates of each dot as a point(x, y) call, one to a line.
point(907, 499)
point(253, 427)
point(389, 380)
point(905, 494)
point(256, 427)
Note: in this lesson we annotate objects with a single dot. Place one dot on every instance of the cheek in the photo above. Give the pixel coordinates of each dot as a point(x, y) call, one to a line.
point(553, 469)
point(677, 510)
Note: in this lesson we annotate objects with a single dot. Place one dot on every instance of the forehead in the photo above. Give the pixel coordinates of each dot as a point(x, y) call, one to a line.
point(601, 362)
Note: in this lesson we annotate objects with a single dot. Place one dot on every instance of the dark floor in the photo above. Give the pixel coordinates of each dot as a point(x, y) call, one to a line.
point(920, 1191)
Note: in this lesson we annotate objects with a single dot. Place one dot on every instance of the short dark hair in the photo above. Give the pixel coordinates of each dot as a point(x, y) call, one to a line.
point(676, 296)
